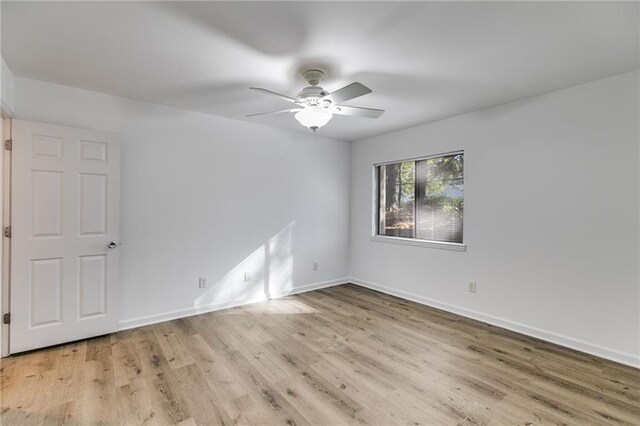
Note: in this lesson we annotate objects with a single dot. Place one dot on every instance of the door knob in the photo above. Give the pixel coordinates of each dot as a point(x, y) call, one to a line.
point(112, 245)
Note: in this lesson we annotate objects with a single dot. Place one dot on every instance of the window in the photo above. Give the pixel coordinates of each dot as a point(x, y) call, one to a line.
point(422, 199)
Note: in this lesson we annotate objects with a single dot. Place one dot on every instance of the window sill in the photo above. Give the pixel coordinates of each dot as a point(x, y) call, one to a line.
point(419, 243)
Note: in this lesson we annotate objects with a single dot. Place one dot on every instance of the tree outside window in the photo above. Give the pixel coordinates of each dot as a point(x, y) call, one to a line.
point(422, 199)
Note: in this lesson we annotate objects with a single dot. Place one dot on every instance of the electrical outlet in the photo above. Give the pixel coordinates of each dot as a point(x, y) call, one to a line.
point(247, 277)
point(315, 266)
point(472, 286)
point(202, 282)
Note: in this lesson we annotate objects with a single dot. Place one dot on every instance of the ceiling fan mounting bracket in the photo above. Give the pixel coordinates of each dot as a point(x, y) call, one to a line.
point(313, 76)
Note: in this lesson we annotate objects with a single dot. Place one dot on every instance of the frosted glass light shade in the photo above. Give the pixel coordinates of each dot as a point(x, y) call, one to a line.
point(313, 118)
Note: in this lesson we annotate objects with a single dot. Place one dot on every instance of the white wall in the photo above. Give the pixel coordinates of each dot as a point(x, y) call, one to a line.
point(551, 217)
point(6, 86)
point(208, 196)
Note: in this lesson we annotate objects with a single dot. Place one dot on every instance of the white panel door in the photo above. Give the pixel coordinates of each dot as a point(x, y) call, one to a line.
point(65, 213)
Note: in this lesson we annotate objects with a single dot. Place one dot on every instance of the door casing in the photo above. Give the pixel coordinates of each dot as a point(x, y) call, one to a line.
point(5, 247)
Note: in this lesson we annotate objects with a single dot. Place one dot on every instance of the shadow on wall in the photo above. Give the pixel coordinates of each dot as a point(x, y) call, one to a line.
point(265, 273)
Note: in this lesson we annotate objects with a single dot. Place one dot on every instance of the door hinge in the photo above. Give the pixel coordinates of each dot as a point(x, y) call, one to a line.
point(7, 231)
point(6, 318)
point(8, 144)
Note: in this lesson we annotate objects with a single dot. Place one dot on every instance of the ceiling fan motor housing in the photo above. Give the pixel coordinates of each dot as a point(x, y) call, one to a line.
point(310, 96)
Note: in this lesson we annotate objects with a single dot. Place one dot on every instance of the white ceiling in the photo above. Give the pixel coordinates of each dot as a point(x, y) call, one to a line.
point(423, 60)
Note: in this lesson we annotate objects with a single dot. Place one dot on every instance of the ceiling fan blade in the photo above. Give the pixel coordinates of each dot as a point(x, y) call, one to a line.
point(356, 111)
point(351, 91)
point(275, 112)
point(269, 92)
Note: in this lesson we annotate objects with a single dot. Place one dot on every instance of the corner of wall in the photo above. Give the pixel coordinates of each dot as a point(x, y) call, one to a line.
point(6, 87)
point(349, 217)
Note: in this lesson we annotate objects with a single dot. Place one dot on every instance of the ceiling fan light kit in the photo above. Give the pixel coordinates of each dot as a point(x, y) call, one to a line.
point(313, 118)
point(316, 107)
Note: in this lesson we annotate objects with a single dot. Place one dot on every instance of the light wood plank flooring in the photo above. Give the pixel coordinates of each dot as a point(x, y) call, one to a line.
point(344, 355)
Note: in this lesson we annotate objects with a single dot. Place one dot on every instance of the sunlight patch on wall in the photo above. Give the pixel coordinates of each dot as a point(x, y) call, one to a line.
point(265, 273)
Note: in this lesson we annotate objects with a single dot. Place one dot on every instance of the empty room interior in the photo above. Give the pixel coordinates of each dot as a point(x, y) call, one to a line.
point(320, 213)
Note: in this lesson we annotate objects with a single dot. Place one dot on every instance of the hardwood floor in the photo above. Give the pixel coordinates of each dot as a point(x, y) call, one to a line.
point(343, 355)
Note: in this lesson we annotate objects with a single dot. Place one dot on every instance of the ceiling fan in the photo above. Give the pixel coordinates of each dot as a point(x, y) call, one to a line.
point(315, 106)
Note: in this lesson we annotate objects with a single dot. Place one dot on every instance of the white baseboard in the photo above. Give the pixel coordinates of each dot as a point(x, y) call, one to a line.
point(569, 342)
point(182, 313)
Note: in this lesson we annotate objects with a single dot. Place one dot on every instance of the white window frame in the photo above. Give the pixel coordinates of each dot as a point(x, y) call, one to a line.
point(374, 236)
